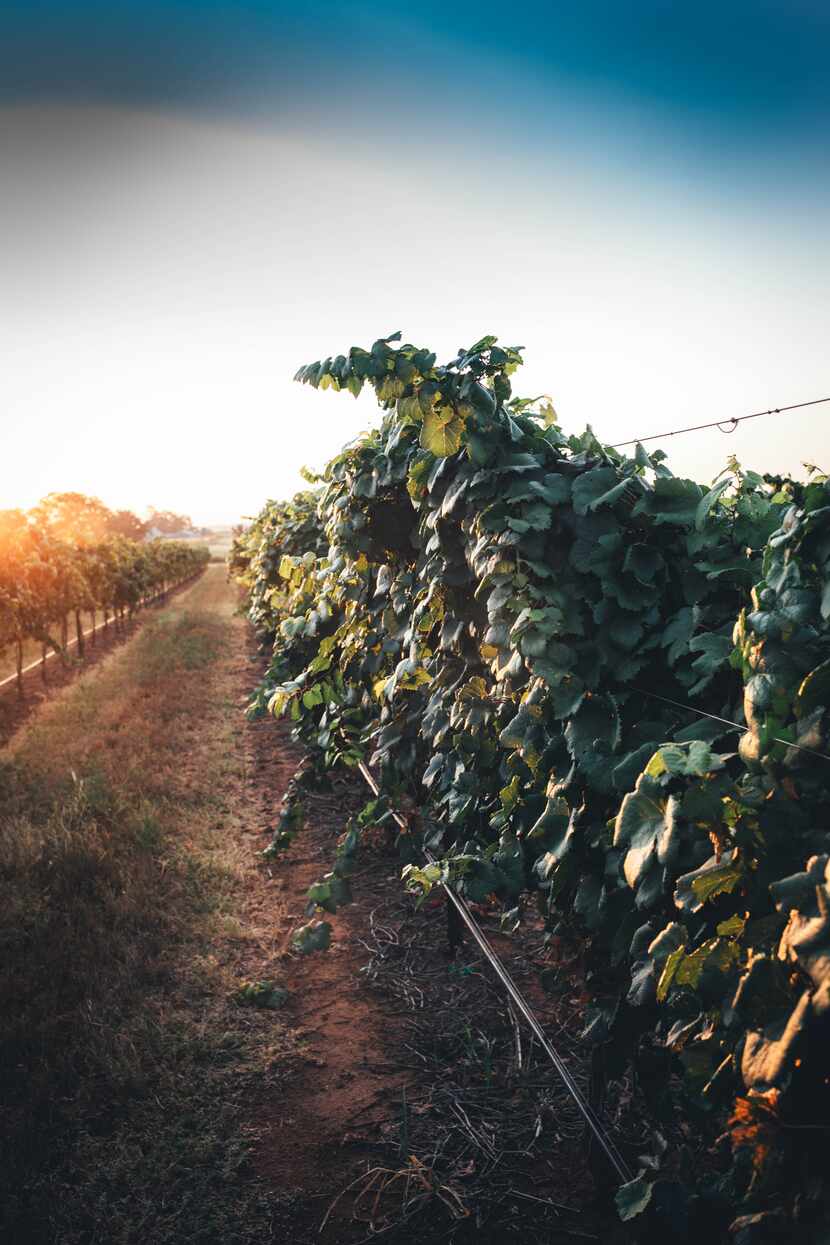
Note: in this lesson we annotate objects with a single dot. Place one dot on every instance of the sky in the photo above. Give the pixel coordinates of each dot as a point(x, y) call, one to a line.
point(199, 198)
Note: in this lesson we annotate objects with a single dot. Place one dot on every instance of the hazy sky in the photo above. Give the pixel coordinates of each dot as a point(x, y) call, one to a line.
point(198, 198)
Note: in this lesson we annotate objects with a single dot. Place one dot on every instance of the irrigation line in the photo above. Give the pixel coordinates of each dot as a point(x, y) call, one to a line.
point(585, 1109)
point(728, 722)
point(733, 421)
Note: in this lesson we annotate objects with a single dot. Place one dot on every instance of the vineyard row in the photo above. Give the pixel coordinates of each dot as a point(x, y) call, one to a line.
point(543, 643)
point(48, 582)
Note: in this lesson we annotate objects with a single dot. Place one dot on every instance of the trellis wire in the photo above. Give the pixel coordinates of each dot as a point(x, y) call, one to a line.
point(701, 713)
point(733, 420)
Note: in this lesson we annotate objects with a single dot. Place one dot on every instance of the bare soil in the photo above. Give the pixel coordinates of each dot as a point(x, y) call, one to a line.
point(389, 1097)
point(304, 1138)
point(400, 1040)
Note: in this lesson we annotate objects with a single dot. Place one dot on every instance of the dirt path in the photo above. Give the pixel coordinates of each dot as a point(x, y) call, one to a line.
point(310, 1140)
point(410, 1073)
point(163, 1109)
point(192, 1117)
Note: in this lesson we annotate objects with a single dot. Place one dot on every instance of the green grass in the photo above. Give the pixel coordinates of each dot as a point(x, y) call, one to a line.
point(177, 642)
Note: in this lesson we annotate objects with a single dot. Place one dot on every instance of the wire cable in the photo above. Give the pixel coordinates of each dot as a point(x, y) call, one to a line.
point(587, 1112)
point(728, 722)
point(733, 421)
point(585, 1109)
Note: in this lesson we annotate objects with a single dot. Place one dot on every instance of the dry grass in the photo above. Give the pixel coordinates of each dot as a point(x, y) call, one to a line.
point(124, 1062)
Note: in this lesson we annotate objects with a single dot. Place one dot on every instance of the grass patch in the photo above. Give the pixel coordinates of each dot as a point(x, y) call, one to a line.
point(125, 1064)
point(177, 642)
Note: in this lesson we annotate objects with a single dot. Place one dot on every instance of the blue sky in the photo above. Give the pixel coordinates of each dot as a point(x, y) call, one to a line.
point(201, 196)
point(744, 61)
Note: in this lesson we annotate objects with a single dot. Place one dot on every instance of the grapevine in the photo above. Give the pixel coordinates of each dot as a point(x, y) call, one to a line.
point(46, 579)
point(607, 689)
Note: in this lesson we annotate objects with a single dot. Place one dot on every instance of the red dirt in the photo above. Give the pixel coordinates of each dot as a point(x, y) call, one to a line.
point(308, 1142)
point(330, 1108)
point(338, 1107)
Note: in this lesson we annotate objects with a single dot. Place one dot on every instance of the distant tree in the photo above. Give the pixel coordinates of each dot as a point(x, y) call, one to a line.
point(167, 521)
point(125, 523)
point(72, 516)
point(12, 522)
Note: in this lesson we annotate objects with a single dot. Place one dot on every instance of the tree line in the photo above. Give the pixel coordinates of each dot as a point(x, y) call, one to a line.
point(71, 555)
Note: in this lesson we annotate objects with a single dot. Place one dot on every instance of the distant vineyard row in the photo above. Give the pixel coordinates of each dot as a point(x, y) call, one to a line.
point(49, 580)
point(607, 688)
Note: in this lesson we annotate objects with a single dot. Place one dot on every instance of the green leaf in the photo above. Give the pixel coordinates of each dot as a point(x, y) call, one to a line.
point(673, 501)
point(483, 343)
point(715, 877)
point(554, 489)
point(632, 1199)
point(707, 502)
point(554, 829)
point(732, 927)
point(714, 651)
point(514, 734)
point(262, 994)
point(590, 486)
point(592, 735)
point(588, 900)
point(599, 1020)
point(669, 969)
point(687, 759)
point(678, 632)
point(611, 496)
point(646, 820)
point(537, 515)
point(315, 936)
point(644, 563)
point(714, 956)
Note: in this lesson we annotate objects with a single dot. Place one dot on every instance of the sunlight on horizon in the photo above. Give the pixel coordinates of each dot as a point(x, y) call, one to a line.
point(173, 274)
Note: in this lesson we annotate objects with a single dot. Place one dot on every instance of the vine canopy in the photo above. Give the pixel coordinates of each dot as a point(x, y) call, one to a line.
point(607, 689)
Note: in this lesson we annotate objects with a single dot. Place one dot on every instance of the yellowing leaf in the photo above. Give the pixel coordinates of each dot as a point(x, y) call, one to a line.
point(439, 435)
point(409, 408)
point(669, 970)
point(277, 703)
point(548, 413)
point(731, 927)
point(474, 688)
point(656, 766)
point(445, 414)
point(418, 678)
